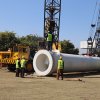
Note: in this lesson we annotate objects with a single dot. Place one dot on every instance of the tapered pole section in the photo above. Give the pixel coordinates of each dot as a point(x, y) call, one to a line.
point(45, 62)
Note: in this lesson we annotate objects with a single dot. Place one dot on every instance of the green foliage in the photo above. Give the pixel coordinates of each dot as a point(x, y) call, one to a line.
point(68, 47)
point(31, 40)
point(7, 39)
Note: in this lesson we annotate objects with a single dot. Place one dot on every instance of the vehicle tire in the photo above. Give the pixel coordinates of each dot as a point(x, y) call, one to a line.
point(11, 67)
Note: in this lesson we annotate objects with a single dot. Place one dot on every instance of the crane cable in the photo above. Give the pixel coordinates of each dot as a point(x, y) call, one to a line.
point(94, 11)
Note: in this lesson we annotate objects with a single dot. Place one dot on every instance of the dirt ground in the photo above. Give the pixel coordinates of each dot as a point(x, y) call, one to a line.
point(48, 88)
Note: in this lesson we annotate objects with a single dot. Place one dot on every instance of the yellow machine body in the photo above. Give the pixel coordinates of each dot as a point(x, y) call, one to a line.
point(56, 46)
point(10, 56)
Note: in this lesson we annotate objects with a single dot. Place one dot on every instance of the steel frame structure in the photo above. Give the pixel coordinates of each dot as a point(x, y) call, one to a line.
point(52, 12)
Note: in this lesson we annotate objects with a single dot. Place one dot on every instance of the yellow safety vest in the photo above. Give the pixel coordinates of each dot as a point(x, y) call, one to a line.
point(23, 62)
point(49, 38)
point(17, 63)
point(60, 64)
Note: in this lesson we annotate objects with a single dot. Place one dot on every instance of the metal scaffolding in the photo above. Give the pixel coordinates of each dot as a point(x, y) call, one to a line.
point(52, 11)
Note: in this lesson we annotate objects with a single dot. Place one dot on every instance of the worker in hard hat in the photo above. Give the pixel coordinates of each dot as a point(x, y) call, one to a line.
point(49, 41)
point(17, 67)
point(60, 68)
point(23, 63)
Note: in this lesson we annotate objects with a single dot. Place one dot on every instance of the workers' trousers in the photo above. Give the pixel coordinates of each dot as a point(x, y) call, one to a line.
point(22, 72)
point(17, 72)
point(59, 73)
point(49, 45)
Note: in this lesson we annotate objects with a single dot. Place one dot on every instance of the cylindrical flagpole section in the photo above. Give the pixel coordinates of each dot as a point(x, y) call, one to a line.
point(45, 62)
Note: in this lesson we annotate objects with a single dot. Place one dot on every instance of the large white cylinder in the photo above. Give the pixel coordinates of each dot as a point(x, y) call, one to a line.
point(45, 62)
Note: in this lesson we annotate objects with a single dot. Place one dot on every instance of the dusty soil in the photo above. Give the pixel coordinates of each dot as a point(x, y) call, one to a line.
point(48, 88)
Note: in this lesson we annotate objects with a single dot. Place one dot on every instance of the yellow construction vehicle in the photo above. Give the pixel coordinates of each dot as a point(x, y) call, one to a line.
point(8, 58)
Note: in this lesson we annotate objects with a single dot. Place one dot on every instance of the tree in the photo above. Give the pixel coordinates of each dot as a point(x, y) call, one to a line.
point(7, 40)
point(68, 47)
point(31, 40)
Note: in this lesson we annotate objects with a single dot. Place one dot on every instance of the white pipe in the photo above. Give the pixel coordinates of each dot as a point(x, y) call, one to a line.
point(45, 62)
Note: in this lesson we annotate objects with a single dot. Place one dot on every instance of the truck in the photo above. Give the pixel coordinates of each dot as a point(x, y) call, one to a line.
point(8, 58)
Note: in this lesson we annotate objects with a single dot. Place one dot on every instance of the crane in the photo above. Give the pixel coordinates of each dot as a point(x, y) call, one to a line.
point(94, 43)
point(52, 12)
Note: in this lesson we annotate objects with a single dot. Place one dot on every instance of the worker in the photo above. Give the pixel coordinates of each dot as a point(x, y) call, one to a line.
point(60, 68)
point(17, 67)
point(23, 63)
point(49, 41)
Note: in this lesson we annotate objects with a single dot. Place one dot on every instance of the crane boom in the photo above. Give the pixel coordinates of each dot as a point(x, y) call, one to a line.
point(94, 44)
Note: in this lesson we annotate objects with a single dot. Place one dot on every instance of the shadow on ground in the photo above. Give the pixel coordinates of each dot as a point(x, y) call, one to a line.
point(82, 75)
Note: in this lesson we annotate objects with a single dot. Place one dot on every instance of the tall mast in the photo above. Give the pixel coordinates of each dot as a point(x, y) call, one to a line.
point(52, 11)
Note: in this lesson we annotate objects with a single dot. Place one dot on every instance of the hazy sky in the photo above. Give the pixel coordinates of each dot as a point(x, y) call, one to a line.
point(26, 17)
